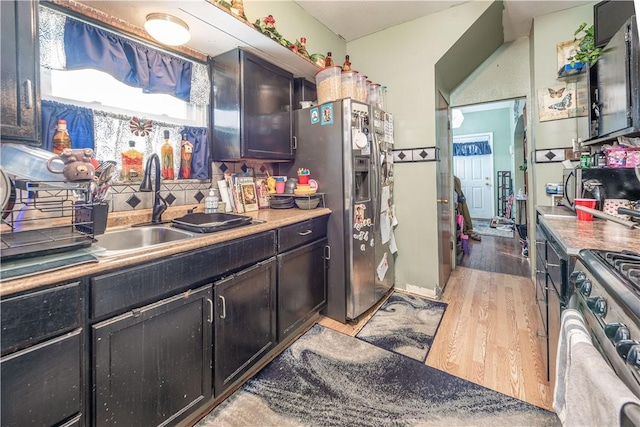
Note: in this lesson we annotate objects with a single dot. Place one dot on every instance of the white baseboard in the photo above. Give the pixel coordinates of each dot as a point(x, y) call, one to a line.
point(419, 290)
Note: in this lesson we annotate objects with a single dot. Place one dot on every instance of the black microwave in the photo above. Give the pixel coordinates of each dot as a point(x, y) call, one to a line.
point(617, 183)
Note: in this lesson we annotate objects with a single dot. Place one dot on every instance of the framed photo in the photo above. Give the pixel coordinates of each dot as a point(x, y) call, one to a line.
point(565, 51)
point(249, 196)
point(558, 102)
point(262, 191)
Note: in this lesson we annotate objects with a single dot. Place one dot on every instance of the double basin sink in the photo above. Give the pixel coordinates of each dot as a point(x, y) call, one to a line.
point(131, 239)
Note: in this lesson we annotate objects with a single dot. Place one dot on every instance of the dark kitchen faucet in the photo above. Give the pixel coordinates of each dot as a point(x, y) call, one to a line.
point(159, 204)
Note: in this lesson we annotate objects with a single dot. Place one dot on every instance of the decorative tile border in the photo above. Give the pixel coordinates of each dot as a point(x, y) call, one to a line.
point(426, 154)
point(553, 155)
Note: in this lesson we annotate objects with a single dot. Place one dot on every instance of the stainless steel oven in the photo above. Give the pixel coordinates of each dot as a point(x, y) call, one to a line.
point(607, 293)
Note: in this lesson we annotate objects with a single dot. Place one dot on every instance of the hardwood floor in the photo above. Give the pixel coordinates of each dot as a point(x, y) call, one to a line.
point(488, 332)
point(488, 335)
point(497, 254)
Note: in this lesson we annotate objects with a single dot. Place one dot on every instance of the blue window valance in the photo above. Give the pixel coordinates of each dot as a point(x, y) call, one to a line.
point(130, 62)
point(474, 148)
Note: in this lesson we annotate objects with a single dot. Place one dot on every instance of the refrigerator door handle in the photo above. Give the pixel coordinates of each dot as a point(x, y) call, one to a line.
point(376, 180)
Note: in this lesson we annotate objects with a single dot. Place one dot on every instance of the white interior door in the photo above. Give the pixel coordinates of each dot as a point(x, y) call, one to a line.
point(476, 177)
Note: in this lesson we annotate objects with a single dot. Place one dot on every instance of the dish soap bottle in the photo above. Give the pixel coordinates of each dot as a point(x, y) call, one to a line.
point(211, 202)
point(131, 163)
point(166, 152)
point(186, 151)
point(61, 138)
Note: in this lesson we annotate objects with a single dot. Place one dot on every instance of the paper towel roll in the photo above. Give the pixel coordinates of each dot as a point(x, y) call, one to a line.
point(224, 194)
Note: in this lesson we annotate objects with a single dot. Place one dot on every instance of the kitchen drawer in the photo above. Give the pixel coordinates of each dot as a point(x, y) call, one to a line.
point(33, 317)
point(136, 286)
point(42, 384)
point(298, 234)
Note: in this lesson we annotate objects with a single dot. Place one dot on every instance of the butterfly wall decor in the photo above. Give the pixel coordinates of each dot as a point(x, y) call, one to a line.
point(562, 105)
point(556, 93)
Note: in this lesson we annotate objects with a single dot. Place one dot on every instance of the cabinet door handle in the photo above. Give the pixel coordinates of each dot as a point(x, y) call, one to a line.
point(210, 319)
point(327, 252)
point(29, 90)
point(224, 308)
point(295, 142)
point(552, 265)
point(305, 233)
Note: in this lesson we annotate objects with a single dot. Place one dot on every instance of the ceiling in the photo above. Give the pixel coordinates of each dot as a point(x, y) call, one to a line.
point(351, 19)
point(376, 15)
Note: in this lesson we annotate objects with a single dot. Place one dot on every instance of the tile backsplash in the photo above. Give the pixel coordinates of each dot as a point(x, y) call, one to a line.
point(126, 196)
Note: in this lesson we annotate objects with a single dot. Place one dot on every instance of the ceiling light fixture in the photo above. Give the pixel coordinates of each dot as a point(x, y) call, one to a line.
point(167, 29)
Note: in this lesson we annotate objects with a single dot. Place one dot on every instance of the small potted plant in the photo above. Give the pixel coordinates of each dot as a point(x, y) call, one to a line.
point(587, 52)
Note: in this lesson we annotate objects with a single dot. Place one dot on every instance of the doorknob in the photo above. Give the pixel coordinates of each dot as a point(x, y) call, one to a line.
point(487, 184)
point(445, 201)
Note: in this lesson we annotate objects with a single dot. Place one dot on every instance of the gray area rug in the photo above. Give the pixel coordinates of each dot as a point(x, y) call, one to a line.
point(404, 324)
point(484, 229)
point(327, 378)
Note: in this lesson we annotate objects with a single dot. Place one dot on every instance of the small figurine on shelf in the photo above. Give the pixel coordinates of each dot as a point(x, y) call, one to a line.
point(237, 8)
point(347, 64)
point(302, 47)
point(328, 61)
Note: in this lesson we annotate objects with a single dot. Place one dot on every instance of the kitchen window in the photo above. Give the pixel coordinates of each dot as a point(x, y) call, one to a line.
point(99, 91)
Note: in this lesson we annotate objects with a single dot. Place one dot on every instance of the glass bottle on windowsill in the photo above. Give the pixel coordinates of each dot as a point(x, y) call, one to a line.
point(61, 138)
point(166, 152)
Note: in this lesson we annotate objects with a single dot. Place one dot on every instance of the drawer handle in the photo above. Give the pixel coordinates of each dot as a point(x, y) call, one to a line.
point(305, 233)
point(210, 319)
point(295, 142)
point(224, 308)
point(553, 265)
point(327, 252)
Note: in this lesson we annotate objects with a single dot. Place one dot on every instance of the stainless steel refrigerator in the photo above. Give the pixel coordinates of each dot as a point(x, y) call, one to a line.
point(346, 149)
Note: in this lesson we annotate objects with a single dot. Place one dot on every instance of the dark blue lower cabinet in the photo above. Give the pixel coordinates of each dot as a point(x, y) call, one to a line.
point(153, 364)
point(244, 321)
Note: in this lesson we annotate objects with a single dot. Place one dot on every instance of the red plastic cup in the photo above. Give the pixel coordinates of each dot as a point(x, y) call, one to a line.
point(588, 203)
point(303, 179)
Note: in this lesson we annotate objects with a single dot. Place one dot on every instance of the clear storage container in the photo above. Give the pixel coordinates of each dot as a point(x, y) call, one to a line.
point(361, 88)
point(375, 95)
point(328, 84)
point(349, 80)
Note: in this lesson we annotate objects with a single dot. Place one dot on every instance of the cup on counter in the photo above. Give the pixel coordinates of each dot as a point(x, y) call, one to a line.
point(280, 187)
point(587, 203)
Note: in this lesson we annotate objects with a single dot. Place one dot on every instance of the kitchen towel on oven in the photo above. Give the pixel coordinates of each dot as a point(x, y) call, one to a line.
point(587, 390)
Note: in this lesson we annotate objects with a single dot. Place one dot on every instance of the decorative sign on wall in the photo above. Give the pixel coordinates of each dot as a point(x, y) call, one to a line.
point(559, 102)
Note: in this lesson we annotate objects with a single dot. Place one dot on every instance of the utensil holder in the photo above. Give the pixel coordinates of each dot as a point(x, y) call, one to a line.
point(92, 219)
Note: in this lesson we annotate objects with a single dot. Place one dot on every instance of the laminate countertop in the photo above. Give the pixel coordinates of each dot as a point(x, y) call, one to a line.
point(574, 235)
point(273, 219)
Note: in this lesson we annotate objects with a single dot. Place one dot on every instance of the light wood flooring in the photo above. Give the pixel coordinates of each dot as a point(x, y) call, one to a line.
point(487, 334)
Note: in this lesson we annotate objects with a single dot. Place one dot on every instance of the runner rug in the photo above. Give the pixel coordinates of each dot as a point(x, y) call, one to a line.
point(327, 378)
point(405, 324)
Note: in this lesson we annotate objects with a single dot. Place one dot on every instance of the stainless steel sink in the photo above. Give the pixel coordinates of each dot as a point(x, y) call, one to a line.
point(135, 238)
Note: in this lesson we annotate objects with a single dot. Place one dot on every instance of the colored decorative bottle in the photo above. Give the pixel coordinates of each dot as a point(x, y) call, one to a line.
point(166, 152)
point(61, 138)
point(186, 152)
point(328, 61)
point(347, 64)
point(131, 163)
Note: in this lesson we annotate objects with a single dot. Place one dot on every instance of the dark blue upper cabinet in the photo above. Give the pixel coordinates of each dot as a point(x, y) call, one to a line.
point(251, 114)
point(20, 117)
